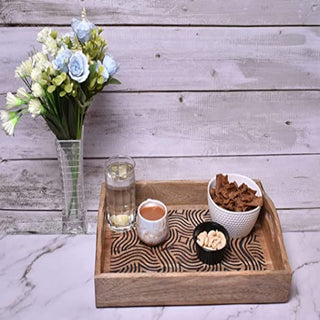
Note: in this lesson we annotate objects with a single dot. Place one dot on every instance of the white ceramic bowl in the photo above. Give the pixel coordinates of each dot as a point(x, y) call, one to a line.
point(238, 224)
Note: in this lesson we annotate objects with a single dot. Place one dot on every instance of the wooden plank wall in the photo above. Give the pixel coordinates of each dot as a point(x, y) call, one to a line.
point(208, 86)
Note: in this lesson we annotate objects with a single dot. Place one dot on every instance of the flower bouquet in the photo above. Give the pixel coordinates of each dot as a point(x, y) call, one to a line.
point(61, 81)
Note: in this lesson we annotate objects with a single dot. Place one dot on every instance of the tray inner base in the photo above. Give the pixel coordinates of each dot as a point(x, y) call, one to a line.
point(125, 253)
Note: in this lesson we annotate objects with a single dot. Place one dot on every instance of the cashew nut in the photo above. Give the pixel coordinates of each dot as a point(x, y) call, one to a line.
point(213, 240)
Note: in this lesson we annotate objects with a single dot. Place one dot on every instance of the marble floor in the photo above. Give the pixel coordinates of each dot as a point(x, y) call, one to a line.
point(51, 277)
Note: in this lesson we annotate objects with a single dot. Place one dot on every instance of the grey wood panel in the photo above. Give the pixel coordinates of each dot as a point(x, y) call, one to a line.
point(49, 222)
point(300, 220)
point(204, 12)
point(44, 222)
point(184, 124)
point(193, 58)
point(291, 181)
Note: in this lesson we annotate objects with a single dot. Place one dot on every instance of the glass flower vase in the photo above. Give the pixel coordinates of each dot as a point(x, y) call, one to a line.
point(70, 157)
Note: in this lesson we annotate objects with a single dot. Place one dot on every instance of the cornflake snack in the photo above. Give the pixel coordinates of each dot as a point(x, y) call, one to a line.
point(232, 197)
point(213, 240)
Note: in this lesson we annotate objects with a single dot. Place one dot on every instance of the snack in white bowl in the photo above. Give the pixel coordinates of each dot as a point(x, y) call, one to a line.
point(238, 222)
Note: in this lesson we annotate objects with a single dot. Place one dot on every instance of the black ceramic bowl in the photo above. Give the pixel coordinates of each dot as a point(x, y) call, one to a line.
point(205, 255)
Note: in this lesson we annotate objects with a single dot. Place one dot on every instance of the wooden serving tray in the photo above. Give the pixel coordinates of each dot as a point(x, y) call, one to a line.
point(255, 269)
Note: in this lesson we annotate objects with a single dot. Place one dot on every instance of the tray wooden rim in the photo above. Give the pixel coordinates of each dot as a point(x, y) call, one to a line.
point(281, 271)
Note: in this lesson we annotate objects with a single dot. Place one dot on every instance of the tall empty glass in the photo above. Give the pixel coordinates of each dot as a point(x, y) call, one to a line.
point(120, 192)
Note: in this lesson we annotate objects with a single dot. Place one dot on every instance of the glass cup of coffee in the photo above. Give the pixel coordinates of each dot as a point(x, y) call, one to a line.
point(152, 222)
point(120, 192)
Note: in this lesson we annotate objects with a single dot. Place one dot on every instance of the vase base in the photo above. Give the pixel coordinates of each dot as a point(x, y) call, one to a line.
point(74, 227)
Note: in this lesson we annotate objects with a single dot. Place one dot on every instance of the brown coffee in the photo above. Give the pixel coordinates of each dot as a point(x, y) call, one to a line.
point(152, 212)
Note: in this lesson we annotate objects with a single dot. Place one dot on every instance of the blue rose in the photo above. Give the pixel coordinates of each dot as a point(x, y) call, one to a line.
point(82, 28)
point(110, 65)
point(105, 73)
point(78, 67)
point(62, 59)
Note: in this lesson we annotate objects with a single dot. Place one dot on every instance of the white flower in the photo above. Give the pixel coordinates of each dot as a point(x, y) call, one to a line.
point(34, 107)
point(50, 46)
point(4, 115)
point(18, 72)
point(36, 74)
point(12, 101)
point(9, 121)
point(37, 90)
point(39, 56)
point(50, 69)
point(27, 67)
point(24, 70)
point(43, 35)
point(23, 94)
point(41, 61)
point(8, 127)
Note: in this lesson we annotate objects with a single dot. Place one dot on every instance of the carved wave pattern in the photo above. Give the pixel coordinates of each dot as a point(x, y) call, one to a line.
point(178, 253)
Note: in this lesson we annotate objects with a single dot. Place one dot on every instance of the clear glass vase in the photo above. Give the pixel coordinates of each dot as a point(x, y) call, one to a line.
point(70, 157)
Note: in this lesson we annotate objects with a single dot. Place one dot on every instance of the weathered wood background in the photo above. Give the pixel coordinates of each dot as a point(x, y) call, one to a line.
point(208, 86)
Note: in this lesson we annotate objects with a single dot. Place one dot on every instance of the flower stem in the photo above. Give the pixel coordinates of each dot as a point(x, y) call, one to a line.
point(75, 166)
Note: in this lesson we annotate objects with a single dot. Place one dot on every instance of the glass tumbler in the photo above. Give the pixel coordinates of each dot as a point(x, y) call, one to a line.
point(120, 192)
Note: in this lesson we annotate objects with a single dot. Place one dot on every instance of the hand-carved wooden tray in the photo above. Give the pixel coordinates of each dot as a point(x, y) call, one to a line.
point(255, 269)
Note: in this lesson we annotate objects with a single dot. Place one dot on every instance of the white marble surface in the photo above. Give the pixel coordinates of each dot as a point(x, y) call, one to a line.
point(51, 277)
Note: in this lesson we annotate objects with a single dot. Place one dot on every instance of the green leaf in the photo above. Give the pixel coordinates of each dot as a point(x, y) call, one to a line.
point(92, 69)
point(113, 81)
point(51, 88)
point(50, 101)
point(54, 34)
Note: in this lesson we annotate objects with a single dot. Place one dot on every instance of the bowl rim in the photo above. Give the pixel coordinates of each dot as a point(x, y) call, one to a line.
point(145, 203)
point(252, 211)
point(224, 231)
